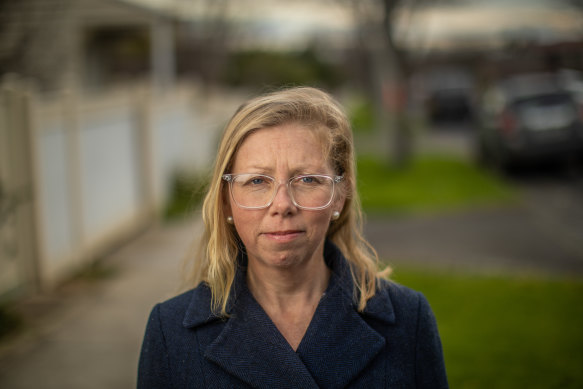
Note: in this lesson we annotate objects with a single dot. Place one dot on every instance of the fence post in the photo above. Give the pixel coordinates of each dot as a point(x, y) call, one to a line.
point(146, 151)
point(73, 144)
point(19, 203)
point(32, 220)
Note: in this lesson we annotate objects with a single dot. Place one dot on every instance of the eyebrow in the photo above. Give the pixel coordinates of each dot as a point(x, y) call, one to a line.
point(295, 172)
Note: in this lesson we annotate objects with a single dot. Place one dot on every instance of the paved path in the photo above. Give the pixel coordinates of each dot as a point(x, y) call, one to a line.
point(91, 337)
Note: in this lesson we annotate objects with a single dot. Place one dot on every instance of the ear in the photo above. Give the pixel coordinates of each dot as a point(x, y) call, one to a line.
point(338, 202)
point(226, 200)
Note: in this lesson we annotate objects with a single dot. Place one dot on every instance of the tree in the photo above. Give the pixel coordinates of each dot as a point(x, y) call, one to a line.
point(389, 70)
point(391, 64)
point(205, 43)
point(32, 42)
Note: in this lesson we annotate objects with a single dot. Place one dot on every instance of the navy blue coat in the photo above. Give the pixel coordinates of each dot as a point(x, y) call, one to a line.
point(394, 343)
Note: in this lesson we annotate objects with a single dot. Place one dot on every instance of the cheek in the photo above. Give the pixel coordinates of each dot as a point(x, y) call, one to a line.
point(320, 222)
point(246, 223)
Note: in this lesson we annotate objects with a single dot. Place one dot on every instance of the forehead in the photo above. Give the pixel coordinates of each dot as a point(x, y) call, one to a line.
point(289, 146)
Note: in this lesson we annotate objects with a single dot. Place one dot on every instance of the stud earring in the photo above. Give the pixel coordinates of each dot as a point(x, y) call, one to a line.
point(335, 215)
point(230, 220)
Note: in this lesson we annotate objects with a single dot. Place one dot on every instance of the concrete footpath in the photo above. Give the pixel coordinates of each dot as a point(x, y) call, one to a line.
point(88, 335)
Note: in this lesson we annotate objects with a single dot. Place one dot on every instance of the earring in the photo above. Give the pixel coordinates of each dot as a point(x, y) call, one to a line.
point(230, 220)
point(335, 215)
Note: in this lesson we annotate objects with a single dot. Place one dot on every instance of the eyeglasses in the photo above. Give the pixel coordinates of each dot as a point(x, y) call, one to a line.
point(257, 191)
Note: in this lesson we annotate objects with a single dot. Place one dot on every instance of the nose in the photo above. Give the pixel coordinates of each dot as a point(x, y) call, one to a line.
point(282, 202)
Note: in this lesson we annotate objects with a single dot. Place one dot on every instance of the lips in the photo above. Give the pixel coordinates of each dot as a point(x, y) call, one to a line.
point(284, 232)
point(283, 236)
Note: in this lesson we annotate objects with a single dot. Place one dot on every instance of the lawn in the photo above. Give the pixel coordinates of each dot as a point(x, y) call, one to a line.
point(430, 183)
point(506, 332)
point(497, 331)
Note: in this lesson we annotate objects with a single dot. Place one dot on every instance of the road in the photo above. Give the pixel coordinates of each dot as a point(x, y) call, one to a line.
point(542, 234)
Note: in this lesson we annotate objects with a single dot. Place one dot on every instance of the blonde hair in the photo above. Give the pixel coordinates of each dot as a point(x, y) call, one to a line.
point(216, 262)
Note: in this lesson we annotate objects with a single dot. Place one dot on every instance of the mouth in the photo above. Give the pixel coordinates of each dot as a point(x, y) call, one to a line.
point(283, 236)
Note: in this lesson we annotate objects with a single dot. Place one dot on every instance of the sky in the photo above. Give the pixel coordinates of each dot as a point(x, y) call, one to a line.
point(291, 23)
point(275, 23)
point(487, 24)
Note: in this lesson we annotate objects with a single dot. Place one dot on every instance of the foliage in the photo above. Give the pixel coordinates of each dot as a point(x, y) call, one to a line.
point(362, 116)
point(187, 193)
point(270, 69)
point(9, 321)
point(506, 332)
point(96, 271)
point(430, 183)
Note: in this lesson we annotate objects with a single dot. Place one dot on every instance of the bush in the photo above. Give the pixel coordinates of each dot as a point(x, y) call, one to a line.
point(267, 69)
point(187, 194)
point(9, 321)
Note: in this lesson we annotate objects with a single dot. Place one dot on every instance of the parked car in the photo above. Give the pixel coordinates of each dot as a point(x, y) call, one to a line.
point(449, 106)
point(530, 118)
point(448, 95)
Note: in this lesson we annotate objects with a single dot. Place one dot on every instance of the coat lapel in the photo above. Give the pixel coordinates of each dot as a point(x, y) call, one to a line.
point(339, 344)
point(252, 349)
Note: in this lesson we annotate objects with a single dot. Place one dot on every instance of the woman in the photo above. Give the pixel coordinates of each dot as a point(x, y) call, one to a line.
point(288, 293)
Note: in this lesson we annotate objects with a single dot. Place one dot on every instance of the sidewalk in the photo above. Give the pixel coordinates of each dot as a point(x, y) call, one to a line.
point(92, 338)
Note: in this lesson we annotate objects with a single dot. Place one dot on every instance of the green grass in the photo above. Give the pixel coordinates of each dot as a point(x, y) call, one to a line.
point(362, 116)
point(430, 183)
point(504, 332)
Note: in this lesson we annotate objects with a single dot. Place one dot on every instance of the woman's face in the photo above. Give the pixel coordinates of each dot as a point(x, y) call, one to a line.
point(282, 235)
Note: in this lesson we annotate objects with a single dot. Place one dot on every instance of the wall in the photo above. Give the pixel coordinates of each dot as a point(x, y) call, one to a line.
point(81, 173)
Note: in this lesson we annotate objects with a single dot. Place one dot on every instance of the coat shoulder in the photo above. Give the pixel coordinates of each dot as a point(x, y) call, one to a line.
point(176, 305)
point(397, 290)
point(414, 334)
point(393, 301)
point(167, 342)
point(187, 306)
point(399, 297)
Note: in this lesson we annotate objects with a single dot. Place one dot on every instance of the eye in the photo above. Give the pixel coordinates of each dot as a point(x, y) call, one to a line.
point(254, 181)
point(310, 180)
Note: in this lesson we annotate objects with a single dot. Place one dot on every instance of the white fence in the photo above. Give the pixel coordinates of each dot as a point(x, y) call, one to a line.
point(79, 173)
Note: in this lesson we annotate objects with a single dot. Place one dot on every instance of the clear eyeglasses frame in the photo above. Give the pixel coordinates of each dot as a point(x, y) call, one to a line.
point(257, 191)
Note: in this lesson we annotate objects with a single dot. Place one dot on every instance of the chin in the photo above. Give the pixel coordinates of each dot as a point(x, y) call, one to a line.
point(286, 259)
point(281, 259)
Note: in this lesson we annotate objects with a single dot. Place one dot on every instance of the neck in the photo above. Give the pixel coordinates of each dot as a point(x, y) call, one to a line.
point(283, 289)
point(289, 295)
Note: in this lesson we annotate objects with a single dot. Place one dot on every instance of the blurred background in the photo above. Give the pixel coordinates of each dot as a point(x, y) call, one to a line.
point(468, 122)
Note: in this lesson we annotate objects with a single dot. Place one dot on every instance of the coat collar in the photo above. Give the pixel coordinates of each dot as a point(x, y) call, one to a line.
point(251, 348)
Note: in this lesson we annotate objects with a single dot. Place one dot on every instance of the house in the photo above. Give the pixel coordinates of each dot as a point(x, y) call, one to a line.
point(93, 126)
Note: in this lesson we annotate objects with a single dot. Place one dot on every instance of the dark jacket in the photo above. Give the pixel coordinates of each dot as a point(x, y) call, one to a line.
point(394, 343)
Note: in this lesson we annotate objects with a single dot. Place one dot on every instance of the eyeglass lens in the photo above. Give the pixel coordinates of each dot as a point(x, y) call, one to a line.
point(256, 191)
